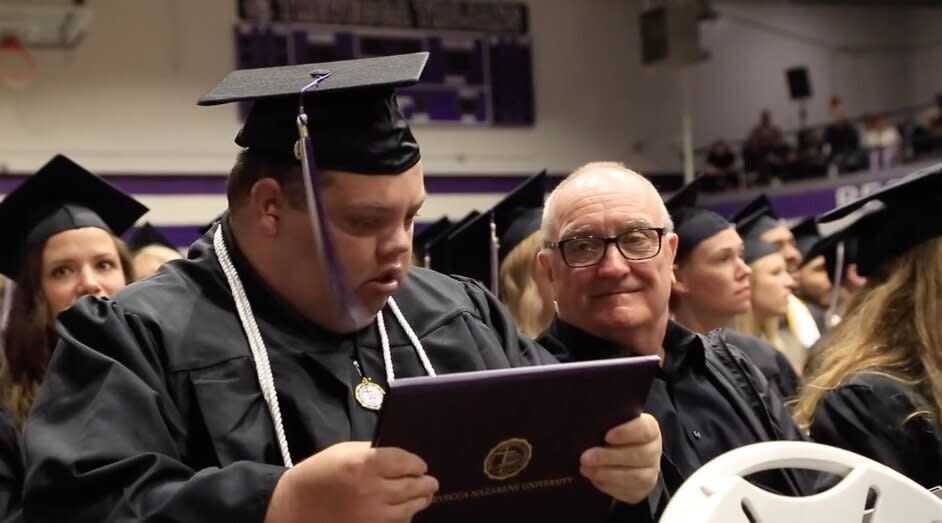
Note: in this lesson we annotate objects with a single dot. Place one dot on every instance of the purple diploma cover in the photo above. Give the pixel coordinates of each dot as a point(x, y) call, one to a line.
point(505, 444)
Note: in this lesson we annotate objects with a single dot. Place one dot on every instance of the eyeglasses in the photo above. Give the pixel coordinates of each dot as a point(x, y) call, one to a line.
point(634, 245)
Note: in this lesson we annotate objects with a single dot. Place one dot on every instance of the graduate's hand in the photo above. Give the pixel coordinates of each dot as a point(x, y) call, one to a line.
point(627, 466)
point(353, 482)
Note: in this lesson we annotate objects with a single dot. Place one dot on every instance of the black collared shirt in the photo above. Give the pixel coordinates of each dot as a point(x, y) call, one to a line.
point(693, 403)
point(684, 396)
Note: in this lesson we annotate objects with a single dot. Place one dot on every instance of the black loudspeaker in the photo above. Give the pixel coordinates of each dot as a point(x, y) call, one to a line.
point(799, 86)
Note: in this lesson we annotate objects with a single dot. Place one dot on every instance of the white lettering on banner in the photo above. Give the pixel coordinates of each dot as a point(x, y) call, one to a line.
point(848, 193)
point(845, 194)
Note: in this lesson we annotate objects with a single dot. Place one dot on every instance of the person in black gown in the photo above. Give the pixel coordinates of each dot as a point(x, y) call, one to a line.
point(877, 382)
point(711, 283)
point(243, 384)
point(11, 471)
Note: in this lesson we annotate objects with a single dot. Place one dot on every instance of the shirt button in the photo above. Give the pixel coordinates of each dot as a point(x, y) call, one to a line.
point(696, 434)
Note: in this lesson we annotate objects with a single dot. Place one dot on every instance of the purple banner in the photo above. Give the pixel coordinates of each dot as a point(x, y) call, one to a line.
point(813, 197)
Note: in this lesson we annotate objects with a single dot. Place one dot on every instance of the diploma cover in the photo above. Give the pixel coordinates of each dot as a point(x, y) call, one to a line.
point(505, 444)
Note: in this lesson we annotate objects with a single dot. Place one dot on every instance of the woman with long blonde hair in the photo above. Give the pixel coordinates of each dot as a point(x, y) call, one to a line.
point(524, 288)
point(771, 286)
point(877, 389)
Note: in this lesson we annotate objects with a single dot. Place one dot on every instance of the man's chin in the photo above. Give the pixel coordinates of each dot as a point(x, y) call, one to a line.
point(374, 302)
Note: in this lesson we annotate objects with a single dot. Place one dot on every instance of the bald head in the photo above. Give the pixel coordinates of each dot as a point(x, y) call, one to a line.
point(598, 178)
point(617, 298)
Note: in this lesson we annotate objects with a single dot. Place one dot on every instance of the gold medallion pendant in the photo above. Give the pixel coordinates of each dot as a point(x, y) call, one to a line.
point(369, 394)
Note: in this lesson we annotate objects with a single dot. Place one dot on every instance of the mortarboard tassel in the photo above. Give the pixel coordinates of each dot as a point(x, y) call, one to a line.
point(836, 284)
point(495, 246)
point(354, 314)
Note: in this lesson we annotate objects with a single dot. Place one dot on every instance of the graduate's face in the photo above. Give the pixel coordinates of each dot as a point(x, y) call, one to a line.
point(814, 284)
point(79, 262)
point(715, 278)
point(371, 219)
point(772, 285)
point(616, 293)
point(783, 240)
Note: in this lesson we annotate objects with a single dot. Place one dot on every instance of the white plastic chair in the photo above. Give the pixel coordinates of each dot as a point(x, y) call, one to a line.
point(718, 493)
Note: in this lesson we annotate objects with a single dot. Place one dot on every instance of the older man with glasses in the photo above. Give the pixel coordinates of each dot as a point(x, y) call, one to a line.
point(609, 251)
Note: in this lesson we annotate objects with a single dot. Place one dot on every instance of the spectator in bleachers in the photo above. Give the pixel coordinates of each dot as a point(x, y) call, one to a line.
point(812, 157)
point(844, 142)
point(882, 142)
point(766, 151)
point(915, 138)
point(721, 168)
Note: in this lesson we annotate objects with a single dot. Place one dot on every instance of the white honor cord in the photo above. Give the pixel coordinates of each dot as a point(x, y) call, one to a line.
point(256, 344)
point(260, 354)
point(384, 340)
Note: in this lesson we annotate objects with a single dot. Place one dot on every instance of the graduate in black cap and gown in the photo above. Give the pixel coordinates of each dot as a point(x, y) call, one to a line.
point(11, 470)
point(812, 285)
point(499, 248)
point(63, 246)
point(245, 382)
point(839, 253)
point(422, 241)
point(59, 243)
point(759, 220)
point(150, 249)
point(878, 388)
point(711, 284)
point(771, 289)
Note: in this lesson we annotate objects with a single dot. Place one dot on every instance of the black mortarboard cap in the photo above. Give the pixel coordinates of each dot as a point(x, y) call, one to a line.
point(477, 249)
point(691, 223)
point(806, 235)
point(519, 214)
point(422, 240)
point(439, 249)
point(469, 250)
point(60, 196)
point(146, 235)
point(756, 217)
point(755, 248)
point(907, 217)
point(353, 119)
point(827, 246)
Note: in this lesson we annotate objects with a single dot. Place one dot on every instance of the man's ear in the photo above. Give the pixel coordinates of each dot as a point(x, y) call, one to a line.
point(672, 241)
point(543, 258)
point(266, 202)
point(678, 284)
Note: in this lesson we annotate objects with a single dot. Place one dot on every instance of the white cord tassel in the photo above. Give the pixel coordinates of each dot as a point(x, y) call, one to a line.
point(259, 353)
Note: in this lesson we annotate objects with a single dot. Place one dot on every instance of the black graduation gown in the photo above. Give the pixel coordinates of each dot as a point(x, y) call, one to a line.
point(769, 360)
point(11, 470)
point(151, 409)
point(867, 414)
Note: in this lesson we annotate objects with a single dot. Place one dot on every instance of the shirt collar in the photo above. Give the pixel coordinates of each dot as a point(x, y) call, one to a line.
point(681, 345)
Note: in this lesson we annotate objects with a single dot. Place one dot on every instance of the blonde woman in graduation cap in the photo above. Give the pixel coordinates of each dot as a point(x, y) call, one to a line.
point(878, 388)
point(62, 245)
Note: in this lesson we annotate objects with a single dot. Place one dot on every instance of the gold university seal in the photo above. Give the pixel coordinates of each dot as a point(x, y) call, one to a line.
point(508, 458)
